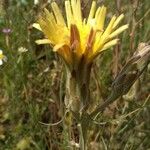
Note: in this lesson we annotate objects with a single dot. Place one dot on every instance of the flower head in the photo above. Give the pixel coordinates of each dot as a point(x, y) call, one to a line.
point(1, 57)
point(6, 30)
point(78, 38)
point(22, 50)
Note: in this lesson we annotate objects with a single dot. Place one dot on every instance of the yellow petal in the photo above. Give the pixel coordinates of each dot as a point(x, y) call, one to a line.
point(97, 12)
point(48, 29)
point(92, 23)
point(104, 37)
point(76, 11)
point(100, 17)
point(68, 13)
point(43, 41)
point(58, 46)
point(73, 7)
point(37, 26)
point(106, 46)
point(118, 20)
point(118, 31)
point(108, 29)
point(79, 14)
point(110, 44)
point(54, 32)
point(92, 11)
point(50, 17)
point(58, 14)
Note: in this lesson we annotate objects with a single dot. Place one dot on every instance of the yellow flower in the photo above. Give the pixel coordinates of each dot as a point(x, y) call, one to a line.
point(78, 38)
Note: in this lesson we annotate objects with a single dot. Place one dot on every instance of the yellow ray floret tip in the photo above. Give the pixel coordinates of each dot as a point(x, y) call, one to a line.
point(110, 44)
point(118, 20)
point(92, 11)
point(58, 14)
point(37, 26)
point(43, 41)
point(118, 31)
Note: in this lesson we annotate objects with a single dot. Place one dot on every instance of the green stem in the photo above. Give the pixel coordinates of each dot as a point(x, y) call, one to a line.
point(82, 142)
point(78, 99)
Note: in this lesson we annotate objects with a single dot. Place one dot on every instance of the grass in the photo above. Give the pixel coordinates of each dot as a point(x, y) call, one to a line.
point(32, 84)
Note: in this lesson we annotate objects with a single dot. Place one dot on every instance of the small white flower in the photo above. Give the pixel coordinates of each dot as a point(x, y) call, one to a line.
point(22, 49)
point(36, 2)
point(1, 57)
point(1, 62)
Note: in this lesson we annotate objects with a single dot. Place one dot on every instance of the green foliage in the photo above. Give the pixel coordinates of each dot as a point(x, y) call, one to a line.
point(32, 84)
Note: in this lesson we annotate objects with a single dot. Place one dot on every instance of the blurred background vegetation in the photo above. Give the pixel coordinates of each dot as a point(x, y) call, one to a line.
point(32, 82)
